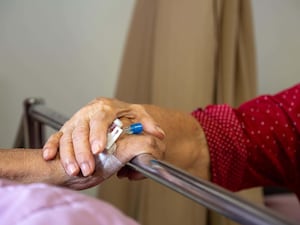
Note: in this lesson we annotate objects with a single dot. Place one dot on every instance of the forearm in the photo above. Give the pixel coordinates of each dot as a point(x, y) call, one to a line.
point(185, 140)
point(28, 166)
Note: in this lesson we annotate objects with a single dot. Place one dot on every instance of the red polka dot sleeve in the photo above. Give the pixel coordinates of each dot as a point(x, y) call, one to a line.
point(256, 144)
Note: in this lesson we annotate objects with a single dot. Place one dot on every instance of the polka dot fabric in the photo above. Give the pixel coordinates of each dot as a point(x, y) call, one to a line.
point(256, 144)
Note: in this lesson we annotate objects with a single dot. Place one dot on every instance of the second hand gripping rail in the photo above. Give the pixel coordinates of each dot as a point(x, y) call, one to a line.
point(37, 115)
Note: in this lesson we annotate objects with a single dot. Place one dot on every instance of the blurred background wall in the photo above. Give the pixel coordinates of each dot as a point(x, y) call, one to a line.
point(69, 51)
point(278, 43)
point(65, 51)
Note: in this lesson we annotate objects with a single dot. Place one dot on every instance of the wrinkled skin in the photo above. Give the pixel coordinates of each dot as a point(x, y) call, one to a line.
point(169, 135)
point(85, 135)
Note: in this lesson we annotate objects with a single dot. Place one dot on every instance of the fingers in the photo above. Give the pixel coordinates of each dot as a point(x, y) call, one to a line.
point(151, 127)
point(50, 149)
point(85, 134)
point(132, 145)
point(67, 154)
point(82, 148)
point(149, 124)
point(98, 132)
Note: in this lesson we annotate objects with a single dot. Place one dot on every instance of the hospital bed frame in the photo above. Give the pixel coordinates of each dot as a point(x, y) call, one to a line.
point(31, 134)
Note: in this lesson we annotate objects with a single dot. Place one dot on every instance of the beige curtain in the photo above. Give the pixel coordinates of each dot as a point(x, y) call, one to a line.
point(182, 54)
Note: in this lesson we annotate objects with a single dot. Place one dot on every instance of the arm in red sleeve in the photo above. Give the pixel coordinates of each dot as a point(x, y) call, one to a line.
point(256, 144)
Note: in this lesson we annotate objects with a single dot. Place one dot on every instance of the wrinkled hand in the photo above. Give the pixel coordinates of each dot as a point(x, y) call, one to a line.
point(85, 135)
point(127, 148)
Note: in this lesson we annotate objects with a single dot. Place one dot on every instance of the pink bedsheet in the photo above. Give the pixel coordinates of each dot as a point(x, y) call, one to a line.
point(34, 204)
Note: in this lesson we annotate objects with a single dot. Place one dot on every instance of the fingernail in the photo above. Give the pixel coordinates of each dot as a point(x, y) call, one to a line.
point(71, 169)
point(96, 147)
point(85, 169)
point(160, 131)
point(46, 153)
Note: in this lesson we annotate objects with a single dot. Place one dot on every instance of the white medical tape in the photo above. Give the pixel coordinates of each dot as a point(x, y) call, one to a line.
point(113, 136)
point(108, 164)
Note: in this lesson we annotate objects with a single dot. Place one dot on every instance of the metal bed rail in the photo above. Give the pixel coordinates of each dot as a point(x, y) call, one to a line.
point(31, 134)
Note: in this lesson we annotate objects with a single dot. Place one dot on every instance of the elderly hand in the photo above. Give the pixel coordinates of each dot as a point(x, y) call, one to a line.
point(85, 135)
point(109, 164)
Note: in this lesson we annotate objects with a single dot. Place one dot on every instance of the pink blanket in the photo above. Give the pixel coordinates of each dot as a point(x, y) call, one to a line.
point(34, 204)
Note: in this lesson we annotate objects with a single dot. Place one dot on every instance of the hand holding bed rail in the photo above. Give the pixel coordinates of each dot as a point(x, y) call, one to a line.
point(203, 192)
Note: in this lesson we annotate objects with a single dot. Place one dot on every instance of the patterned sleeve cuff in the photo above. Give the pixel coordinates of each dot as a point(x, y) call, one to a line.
point(226, 144)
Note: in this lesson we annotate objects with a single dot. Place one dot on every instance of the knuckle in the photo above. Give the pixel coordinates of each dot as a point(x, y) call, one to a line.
point(139, 108)
point(65, 139)
point(79, 130)
point(100, 107)
point(101, 102)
